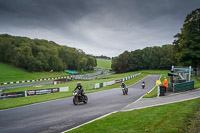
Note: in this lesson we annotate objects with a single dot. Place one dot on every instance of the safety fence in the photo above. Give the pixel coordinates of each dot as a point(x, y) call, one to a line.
point(100, 85)
point(32, 92)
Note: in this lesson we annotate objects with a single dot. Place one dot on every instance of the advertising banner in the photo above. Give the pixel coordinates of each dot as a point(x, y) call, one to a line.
point(42, 91)
point(30, 93)
point(12, 95)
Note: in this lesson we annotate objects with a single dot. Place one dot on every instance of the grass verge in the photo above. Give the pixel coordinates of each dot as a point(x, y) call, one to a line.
point(170, 118)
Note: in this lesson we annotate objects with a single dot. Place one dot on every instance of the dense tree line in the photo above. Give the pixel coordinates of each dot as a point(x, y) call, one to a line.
point(103, 57)
point(42, 55)
point(147, 58)
point(185, 50)
point(187, 43)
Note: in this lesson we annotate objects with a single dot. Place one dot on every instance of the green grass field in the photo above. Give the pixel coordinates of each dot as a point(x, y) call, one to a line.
point(10, 73)
point(179, 117)
point(104, 63)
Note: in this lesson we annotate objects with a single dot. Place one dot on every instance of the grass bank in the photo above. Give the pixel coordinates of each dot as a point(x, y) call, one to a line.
point(10, 73)
point(171, 118)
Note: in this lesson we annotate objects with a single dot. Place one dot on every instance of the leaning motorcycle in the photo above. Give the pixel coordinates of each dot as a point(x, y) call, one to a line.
point(79, 98)
point(125, 91)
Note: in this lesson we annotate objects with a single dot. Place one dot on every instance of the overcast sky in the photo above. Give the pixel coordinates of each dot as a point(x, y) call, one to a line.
point(98, 27)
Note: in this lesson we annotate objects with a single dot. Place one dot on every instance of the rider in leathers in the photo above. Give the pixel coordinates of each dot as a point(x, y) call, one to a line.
point(123, 85)
point(80, 88)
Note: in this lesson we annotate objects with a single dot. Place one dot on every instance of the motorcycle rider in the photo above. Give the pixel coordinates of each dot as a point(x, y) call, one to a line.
point(80, 88)
point(123, 85)
point(143, 84)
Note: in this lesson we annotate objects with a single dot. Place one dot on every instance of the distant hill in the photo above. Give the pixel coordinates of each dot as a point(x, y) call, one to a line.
point(42, 55)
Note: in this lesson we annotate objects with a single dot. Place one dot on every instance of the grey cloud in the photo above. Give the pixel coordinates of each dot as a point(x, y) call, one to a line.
point(97, 26)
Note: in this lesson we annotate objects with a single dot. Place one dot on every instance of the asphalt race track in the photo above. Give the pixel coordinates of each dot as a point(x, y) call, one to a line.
point(60, 115)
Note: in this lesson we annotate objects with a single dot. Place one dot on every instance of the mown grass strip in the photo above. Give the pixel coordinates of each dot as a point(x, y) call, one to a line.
point(170, 118)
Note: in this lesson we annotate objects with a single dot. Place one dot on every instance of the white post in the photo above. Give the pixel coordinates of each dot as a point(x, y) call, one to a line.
point(172, 68)
point(190, 73)
point(158, 92)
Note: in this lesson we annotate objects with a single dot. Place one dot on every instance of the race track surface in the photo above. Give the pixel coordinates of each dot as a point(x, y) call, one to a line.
point(60, 115)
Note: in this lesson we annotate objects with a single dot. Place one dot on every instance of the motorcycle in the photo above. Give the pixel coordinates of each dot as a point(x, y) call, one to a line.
point(125, 91)
point(79, 98)
point(143, 85)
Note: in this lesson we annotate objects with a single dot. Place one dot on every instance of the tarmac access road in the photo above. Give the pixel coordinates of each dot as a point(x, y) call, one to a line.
point(60, 115)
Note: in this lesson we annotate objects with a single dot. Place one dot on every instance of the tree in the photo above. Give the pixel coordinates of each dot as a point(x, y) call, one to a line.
point(187, 43)
point(42, 55)
point(136, 61)
point(147, 58)
point(121, 63)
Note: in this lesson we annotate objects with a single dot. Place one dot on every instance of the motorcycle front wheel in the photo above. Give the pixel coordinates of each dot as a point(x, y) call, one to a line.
point(75, 101)
point(123, 92)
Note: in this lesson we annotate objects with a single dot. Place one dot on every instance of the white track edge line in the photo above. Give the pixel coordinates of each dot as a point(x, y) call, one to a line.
point(142, 95)
point(90, 121)
point(160, 104)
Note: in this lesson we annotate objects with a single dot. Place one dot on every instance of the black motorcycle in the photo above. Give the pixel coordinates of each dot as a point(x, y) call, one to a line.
point(79, 98)
point(143, 85)
point(125, 91)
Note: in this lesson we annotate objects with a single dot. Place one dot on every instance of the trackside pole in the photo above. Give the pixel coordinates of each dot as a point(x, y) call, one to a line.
point(190, 72)
point(158, 83)
point(158, 91)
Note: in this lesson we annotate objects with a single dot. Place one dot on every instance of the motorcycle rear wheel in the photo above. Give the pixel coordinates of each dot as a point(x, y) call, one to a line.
point(85, 99)
point(126, 92)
